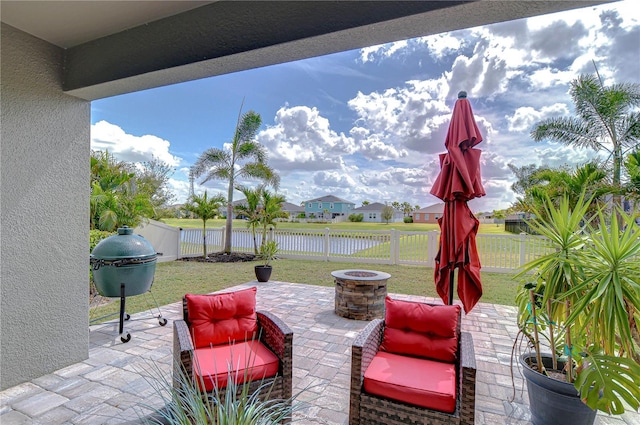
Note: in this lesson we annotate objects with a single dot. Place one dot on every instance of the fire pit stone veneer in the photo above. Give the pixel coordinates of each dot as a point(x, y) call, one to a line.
point(360, 294)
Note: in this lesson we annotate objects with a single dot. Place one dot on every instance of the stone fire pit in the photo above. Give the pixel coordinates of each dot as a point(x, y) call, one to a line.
point(360, 294)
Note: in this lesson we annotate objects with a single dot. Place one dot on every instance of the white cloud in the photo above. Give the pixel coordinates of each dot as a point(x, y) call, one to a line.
point(555, 155)
point(397, 120)
point(333, 179)
point(375, 53)
point(394, 176)
point(130, 148)
point(524, 118)
point(180, 188)
point(442, 44)
point(302, 139)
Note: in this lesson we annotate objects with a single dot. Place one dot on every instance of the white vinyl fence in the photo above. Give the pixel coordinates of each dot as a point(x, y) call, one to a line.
point(164, 239)
point(498, 253)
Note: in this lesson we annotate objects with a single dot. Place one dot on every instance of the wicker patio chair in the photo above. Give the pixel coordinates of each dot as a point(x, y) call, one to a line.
point(271, 334)
point(372, 409)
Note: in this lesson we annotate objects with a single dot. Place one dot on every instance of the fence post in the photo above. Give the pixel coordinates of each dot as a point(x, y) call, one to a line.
point(523, 249)
point(432, 246)
point(393, 245)
point(326, 244)
point(179, 256)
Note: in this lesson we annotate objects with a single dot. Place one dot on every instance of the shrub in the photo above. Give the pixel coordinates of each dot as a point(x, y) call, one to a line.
point(356, 218)
point(408, 219)
point(96, 236)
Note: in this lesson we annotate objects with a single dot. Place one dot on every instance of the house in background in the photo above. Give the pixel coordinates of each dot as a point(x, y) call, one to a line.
point(429, 214)
point(292, 209)
point(328, 206)
point(373, 213)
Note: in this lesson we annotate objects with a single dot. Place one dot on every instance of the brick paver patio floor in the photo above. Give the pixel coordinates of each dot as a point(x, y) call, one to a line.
point(109, 387)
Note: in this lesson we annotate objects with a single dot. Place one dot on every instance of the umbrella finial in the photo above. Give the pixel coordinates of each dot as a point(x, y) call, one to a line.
point(462, 95)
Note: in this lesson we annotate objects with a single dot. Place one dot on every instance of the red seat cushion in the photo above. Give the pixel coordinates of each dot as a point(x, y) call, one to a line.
point(222, 318)
point(421, 382)
point(421, 330)
point(243, 361)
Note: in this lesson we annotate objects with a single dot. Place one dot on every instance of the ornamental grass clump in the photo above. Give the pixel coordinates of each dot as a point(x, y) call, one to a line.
point(187, 404)
point(581, 302)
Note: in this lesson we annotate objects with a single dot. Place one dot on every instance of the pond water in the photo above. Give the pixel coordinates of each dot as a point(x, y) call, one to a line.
point(303, 243)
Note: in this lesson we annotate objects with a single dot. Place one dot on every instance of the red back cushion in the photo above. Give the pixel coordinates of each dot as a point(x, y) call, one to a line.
point(421, 330)
point(222, 318)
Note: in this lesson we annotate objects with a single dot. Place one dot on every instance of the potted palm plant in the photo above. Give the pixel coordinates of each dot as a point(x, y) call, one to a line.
point(579, 314)
point(268, 251)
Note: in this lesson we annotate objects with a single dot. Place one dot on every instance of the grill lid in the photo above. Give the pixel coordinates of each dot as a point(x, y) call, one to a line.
point(125, 245)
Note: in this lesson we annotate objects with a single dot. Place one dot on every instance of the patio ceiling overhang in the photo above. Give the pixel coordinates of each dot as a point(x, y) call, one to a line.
point(112, 48)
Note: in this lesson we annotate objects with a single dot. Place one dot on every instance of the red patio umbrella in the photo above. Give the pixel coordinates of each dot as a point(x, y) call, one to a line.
point(459, 181)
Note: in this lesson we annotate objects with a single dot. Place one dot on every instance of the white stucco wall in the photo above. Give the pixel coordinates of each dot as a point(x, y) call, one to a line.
point(44, 242)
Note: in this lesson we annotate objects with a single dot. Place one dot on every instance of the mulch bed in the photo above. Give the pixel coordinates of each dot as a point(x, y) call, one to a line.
point(221, 257)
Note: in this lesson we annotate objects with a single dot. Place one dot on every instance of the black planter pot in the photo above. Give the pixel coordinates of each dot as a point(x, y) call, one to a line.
point(553, 402)
point(263, 273)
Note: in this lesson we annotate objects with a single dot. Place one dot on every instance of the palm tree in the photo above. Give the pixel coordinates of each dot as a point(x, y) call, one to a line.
point(251, 209)
point(271, 210)
point(557, 184)
point(588, 178)
point(606, 121)
point(245, 158)
point(525, 177)
point(407, 209)
point(206, 208)
point(115, 200)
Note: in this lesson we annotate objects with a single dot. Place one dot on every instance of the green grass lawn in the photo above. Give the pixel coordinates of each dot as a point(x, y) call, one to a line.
point(176, 278)
point(347, 225)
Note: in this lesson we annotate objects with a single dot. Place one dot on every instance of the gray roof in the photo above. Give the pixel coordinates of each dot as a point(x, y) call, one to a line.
point(375, 206)
point(329, 198)
point(289, 207)
point(435, 208)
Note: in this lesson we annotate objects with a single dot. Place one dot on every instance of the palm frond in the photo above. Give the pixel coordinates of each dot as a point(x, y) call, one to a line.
point(209, 161)
point(247, 128)
point(252, 150)
point(257, 170)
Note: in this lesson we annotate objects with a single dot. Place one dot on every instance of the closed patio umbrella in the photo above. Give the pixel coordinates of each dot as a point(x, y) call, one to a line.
point(459, 181)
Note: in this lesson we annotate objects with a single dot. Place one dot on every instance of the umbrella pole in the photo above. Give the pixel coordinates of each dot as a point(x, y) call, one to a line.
point(453, 269)
point(451, 286)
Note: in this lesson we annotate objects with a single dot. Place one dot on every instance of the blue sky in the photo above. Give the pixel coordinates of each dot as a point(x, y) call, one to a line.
point(369, 124)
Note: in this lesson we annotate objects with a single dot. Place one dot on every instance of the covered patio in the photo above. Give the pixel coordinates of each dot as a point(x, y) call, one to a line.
point(108, 387)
